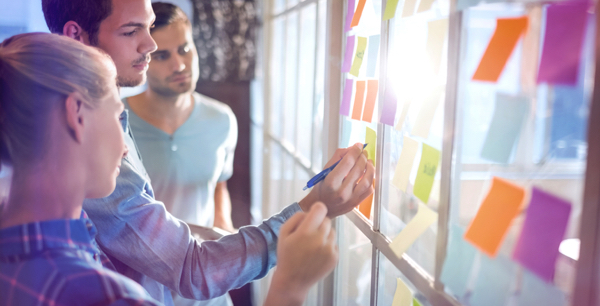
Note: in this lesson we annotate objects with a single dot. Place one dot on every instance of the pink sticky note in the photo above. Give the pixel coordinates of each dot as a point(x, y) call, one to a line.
point(349, 15)
point(388, 114)
point(349, 54)
point(345, 106)
point(565, 30)
point(543, 230)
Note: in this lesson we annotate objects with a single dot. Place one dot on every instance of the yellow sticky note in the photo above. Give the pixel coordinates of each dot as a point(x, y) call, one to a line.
point(371, 139)
point(416, 302)
point(430, 158)
point(403, 296)
point(358, 57)
point(415, 228)
point(409, 8)
point(405, 163)
point(425, 116)
point(437, 31)
point(425, 5)
point(390, 9)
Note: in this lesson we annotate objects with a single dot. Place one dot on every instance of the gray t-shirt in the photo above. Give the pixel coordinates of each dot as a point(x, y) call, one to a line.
point(184, 168)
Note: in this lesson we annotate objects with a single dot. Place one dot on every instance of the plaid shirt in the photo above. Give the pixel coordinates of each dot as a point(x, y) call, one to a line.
point(57, 262)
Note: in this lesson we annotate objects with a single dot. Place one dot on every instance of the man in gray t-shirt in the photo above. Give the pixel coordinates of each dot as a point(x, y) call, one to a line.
point(186, 140)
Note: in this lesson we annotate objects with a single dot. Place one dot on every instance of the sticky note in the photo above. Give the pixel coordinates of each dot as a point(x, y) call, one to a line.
point(359, 98)
point(390, 102)
point(430, 158)
point(403, 296)
point(405, 163)
point(543, 230)
point(503, 42)
point(372, 89)
point(493, 282)
point(416, 302)
point(403, 113)
point(349, 15)
point(563, 39)
point(358, 58)
point(373, 54)
point(358, 13)
point(425, 5)
point(365, 206)
point(437, 31)
point(426, 113)
point(348, 55)
point(424, 218)
point(346, 132)
point(390, 9)
point(498, 209)
point(534, 291)
point(507, 122)
point(371, 139)
point(458, 263)
point(345, 105)
point(409, 8)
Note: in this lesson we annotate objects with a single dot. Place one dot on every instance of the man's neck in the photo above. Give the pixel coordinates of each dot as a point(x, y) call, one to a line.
point(166, 113)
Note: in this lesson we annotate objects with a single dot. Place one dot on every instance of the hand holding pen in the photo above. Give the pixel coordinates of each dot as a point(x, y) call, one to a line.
point(346, 185)
point(321, 175)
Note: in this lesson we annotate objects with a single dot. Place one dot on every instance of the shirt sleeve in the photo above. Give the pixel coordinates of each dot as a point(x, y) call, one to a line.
point(229, 145)
point(138, 231)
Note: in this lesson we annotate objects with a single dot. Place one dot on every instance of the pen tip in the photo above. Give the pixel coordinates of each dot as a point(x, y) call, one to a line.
point(305, 187)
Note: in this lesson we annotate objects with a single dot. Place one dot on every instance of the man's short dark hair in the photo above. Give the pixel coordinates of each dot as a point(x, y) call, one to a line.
point(166, 14)
point(87, 13)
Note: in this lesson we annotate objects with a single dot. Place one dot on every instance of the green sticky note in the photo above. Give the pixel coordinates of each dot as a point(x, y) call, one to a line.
point(358, 57)
point(390, 9)
point(371, 139)
point(416, 302)
point(427, 168)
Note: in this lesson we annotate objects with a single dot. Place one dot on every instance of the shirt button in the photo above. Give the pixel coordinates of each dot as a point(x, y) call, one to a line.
point(173, 147)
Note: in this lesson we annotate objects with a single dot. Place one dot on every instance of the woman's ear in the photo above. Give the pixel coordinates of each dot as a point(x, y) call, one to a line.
point(73, 29)
point(74, 111)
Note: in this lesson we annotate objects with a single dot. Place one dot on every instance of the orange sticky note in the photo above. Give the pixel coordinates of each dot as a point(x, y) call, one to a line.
point(359, 98)
point(503, 42)
point(358, 13)
point(365, 206)
point(498, 209)
point(372, 89)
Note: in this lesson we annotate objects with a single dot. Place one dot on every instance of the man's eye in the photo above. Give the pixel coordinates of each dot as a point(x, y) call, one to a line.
point(130, 33)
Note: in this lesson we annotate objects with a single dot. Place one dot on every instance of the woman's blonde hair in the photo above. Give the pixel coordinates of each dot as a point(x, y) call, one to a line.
point(37, 72)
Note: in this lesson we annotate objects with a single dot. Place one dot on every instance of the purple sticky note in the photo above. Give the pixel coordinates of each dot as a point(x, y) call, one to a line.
point(563, 40)
point(543, 230)
point(345, 106)
point(348, 55)
point(349, 15)
point(388, 114)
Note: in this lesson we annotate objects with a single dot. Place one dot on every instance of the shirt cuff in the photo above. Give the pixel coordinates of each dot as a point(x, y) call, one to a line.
point(289, 211)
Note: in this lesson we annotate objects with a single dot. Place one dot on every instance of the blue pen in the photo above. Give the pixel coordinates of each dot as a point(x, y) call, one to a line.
point(321, 176)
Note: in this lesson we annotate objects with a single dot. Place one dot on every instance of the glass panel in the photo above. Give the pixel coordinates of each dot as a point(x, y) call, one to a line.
point(353, 272)
point(302, 178)
point(306, 80)
point(387, 283)
point(278, 6)
point(275, 182)
point(275, 79)
point(291, 77)
point(317, 157)
point(548, 152)
point(288, 181)
point(417, 72)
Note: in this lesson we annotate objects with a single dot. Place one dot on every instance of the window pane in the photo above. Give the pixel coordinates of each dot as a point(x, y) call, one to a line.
point(291, 77)
point(276, 77)
point(353, 272)
point(275, 181)
point(388, 276)
point(317, 157)
point(306, 80)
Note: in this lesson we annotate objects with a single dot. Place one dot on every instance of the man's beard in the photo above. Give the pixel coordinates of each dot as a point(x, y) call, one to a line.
point(126, 82)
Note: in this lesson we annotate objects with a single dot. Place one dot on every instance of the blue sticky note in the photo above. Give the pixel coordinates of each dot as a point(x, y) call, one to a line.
point(346, 132)
point(373, 53)
point(493, 284)
point(459, 262)
point(509, 116)
point(535, 291)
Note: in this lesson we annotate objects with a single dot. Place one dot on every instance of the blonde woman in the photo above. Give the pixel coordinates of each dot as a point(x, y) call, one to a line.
point(61, 132)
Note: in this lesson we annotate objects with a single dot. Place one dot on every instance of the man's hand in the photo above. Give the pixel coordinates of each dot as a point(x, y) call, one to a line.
point(350, 182)
point(306, 253)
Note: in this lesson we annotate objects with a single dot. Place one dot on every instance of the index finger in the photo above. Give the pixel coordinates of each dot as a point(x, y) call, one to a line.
point(340, 172)
point(339, 154)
